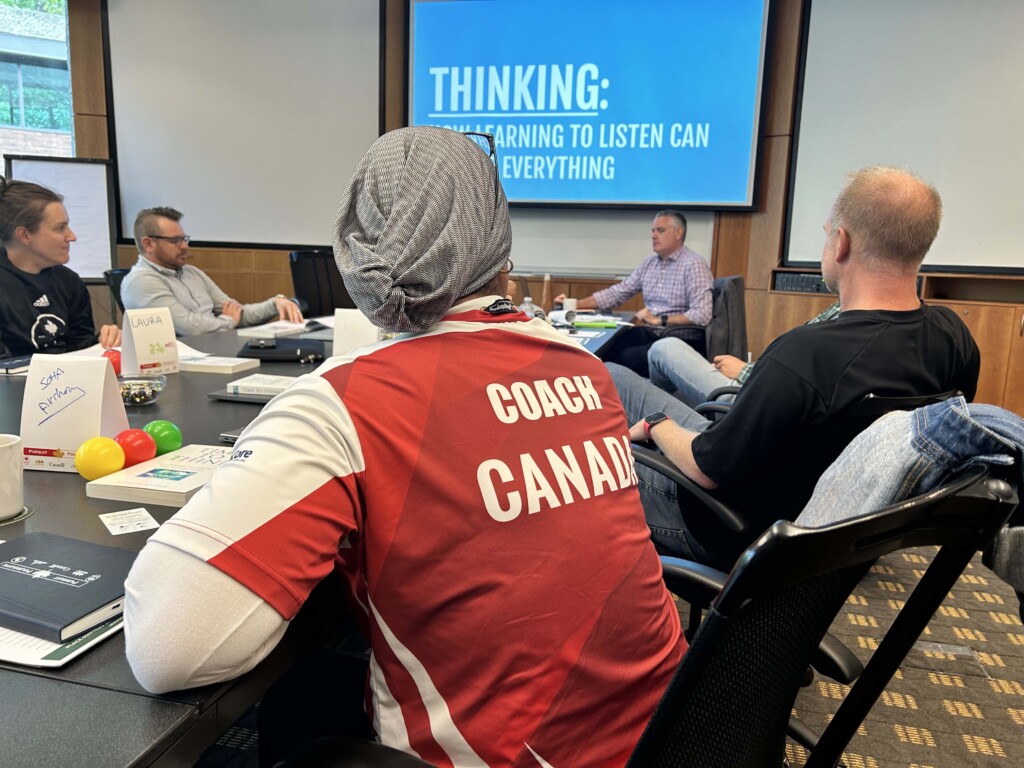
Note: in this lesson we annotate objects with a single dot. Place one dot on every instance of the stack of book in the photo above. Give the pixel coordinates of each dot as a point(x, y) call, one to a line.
point(260, 384)
point(170, 479)
point(200, 363)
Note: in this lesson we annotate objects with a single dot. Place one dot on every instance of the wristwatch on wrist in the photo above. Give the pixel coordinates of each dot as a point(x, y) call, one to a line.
point(664, 320)
point(650, 421)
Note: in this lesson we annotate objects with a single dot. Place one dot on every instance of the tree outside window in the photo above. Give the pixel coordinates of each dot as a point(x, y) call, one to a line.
point(35, 84)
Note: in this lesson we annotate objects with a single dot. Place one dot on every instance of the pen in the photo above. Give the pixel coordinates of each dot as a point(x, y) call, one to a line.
point(596, 324)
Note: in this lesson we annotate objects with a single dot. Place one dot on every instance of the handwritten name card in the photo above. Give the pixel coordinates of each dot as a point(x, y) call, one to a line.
point(147, 342)
point(68, 399)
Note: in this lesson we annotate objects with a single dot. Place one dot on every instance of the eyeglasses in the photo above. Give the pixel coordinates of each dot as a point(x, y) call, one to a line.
point(486, 143)
point(175, 241)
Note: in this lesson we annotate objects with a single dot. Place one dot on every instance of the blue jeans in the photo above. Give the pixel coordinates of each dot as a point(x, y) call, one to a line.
point(906, 453)
point(658, 493)
point(676, 366)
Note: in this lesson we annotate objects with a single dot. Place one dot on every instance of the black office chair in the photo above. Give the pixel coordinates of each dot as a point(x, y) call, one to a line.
point(729, 703)
point(114, 278)
point(692, 496)
point(318, 282)
point(726, 334)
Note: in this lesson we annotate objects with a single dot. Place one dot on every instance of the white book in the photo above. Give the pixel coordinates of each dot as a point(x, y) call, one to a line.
point(19, 648)
point(214, 364)
point(170, 480)
point(272, 330)
point(260, 384)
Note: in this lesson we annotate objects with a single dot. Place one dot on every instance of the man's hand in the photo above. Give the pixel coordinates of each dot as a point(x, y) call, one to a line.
point(287, 310)
point(232, 309)
point(644, 317)
point(110, 336)
point(728, 365)
point(677, 445)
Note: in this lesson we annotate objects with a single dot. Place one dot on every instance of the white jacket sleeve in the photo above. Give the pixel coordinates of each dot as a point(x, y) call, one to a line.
point(221, 628)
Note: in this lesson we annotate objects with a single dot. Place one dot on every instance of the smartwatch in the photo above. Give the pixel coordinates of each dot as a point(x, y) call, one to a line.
point(650, 421)
point(664, 320)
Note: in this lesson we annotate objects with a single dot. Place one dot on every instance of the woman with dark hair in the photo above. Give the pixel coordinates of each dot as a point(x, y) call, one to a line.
point(44, 306)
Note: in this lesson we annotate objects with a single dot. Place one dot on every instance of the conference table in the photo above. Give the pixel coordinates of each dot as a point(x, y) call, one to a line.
point(92, 711)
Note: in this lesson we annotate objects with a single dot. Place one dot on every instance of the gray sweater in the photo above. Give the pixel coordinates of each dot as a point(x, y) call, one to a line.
point(190, 295)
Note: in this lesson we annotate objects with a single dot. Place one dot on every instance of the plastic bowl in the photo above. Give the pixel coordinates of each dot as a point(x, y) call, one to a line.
point(141, 388)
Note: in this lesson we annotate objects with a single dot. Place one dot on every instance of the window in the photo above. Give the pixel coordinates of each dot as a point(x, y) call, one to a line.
point(35, 85)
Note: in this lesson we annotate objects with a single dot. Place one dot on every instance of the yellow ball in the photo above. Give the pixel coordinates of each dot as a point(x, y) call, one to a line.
point(98, 456)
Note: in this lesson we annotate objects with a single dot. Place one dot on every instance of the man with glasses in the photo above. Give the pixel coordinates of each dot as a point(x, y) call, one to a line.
point(163, 278)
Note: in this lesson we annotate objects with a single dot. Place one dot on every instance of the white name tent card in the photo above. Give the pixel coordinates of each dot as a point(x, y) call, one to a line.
point(352, 329)
point(68, 399)
point(147, 342)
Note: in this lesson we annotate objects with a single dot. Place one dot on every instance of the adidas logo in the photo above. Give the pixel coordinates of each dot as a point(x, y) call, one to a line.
point(42, 301)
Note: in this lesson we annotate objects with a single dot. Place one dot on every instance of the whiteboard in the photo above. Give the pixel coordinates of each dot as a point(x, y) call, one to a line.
point(932, 85)
point(86, 187)
point(248, 116)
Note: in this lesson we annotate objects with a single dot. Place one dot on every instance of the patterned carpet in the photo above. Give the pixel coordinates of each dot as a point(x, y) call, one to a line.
point(957, 701)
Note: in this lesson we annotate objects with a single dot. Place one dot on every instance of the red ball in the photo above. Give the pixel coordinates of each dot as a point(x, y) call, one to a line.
point(114, 356)
point(138, 446)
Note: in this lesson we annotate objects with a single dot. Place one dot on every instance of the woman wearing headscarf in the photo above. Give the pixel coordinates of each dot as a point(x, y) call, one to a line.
point(469, 479)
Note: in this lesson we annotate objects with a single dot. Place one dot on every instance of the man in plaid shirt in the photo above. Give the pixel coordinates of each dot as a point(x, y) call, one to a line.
point(676, 286)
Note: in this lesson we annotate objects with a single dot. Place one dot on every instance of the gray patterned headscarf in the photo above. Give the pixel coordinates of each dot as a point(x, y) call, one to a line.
point(418, 228)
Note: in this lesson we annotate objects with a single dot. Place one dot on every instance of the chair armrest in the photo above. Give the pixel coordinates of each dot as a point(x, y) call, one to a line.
point(695, 583)
point(836, 661)
point(729, 389)
point(712, 411)
point(687, 487)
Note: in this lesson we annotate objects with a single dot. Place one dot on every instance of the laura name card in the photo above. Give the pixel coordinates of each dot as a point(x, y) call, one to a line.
point(68, 399)
point(147, 342)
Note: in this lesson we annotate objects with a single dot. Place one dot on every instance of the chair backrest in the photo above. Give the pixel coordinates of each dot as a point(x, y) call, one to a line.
point(114, 278)
point(862, 414)
point(317, 281)
point(727, 332)
point(730, 701)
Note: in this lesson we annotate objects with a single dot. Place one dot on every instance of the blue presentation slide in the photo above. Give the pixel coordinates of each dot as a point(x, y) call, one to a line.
point(599, 101)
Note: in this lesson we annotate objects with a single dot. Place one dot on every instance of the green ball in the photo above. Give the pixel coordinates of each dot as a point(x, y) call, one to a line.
point(166, 435)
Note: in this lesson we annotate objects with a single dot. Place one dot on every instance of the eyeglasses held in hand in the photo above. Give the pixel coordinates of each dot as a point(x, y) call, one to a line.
point(175, 241)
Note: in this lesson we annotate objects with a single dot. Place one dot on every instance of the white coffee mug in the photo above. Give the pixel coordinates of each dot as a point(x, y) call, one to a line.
point(569, 306)
point(12, 492)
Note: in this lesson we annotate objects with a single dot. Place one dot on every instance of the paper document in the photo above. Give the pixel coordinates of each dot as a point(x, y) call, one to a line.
point(19, 648)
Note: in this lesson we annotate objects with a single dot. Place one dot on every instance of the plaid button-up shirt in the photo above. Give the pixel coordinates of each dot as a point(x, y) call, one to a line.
point(678, 284)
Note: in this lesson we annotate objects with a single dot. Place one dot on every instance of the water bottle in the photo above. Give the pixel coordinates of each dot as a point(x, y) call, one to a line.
point(528, 308)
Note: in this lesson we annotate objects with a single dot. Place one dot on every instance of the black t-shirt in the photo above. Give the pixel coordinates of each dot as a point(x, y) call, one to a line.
point(787, 424)
point(47, 312)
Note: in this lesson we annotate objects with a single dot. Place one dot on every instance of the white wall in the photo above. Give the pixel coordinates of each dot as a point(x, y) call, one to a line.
point(593, 242)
